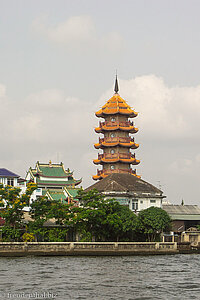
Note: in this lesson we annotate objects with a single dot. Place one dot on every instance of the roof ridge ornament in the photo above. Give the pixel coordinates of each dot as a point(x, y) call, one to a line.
point(116, 89)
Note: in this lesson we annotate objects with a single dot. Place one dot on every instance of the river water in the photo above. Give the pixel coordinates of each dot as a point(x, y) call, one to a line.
point(103, 278)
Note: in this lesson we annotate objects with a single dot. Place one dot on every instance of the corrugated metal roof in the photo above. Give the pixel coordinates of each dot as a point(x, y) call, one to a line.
point(185, 217)
point(182, 209)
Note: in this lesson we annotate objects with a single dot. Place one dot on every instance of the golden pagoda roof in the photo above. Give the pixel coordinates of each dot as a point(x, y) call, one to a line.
point(104, 173)
point(112, 142)
point(118, 157)
point(114, 125)
point(116, 105)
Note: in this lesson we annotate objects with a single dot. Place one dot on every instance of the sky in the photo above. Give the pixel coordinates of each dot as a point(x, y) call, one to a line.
point(58, 60)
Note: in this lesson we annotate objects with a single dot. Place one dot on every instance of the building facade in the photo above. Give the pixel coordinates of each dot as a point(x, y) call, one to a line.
point(116, 143)
point(8, 178)
point(129, 190)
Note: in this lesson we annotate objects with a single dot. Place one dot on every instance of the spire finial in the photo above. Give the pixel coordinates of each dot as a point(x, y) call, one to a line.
point(116, 85)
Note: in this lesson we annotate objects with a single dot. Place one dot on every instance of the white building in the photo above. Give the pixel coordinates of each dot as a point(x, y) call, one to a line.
point(9, 178)
point(129, 190)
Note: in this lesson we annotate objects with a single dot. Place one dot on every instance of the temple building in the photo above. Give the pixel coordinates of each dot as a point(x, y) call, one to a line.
point(53, 181)
point(116, 143)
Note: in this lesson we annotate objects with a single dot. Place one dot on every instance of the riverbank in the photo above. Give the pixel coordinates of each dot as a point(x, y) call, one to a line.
point(94, 248)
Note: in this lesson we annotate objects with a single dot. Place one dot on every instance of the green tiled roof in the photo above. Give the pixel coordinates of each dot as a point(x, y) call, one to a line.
point(57, 182)
point(57, 196)
point(53, 170)
point(72, 192)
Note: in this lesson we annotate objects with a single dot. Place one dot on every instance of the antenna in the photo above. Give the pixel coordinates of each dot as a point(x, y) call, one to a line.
point(159, 185)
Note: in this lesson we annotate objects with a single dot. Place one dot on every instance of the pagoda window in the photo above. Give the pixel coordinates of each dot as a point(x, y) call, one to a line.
point(113, 120)
point(112, 151)
point(112, 167)
point(112, 135)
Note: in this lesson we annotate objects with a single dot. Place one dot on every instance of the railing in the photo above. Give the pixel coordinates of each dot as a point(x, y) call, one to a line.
point(116, 156)
point(116, 124)
point(107, 172)
point(116, 140)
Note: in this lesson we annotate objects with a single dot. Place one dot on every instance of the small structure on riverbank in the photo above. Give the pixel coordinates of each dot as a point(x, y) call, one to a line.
point(192, 235)
point(183, 216)
point(129, 190)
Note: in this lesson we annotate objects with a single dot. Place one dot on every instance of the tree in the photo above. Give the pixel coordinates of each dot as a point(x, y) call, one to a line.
point(42, 210)
point(104, 219)
point(12, 203)
point(152, 221)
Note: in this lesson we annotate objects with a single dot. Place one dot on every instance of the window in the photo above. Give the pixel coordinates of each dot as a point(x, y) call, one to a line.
point(152, 201)
point(112, 151)
point(112, 167)
point(141, 201)
point(112, 135)
point(113, 120)
point(135, 204)
point(10, 181)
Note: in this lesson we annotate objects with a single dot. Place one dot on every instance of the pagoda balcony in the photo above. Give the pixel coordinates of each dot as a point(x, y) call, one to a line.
point(103, 173)
point(109, 125)
point(115, 141)
point(116, 157)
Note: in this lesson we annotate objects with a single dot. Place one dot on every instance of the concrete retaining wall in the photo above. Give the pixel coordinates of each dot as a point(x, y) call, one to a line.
point(91, 248)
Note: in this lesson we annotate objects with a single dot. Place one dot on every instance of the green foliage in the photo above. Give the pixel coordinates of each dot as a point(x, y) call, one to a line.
point(152, 221)
point(43, 210)
point(106, 220)
point(28, 237)
point(96, 218)
point(10, 234)
point(57, 234)
point(12, 204)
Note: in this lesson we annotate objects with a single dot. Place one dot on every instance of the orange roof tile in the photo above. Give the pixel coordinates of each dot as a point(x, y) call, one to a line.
point(116, 105)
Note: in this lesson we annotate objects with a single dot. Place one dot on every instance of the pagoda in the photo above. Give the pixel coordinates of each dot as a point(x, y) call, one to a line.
point(116, 143)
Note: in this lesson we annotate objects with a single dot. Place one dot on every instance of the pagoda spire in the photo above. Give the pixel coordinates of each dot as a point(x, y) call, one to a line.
point(116, 86)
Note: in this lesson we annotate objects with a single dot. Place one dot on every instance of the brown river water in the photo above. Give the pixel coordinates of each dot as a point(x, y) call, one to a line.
point(103, 278)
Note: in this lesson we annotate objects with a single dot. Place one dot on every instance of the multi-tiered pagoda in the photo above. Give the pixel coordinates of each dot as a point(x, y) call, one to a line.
point(116, 143)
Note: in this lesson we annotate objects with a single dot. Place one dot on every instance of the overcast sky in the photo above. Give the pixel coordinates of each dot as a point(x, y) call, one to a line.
point(58, 60)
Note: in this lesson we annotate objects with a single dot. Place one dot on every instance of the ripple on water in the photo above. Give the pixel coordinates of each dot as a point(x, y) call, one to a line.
point(104, 278)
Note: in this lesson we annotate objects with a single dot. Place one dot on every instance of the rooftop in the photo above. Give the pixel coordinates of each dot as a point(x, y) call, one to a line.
point(123, 183)
point(182, 209)
point(6, 173)
point(51, 170)
point(116, 105)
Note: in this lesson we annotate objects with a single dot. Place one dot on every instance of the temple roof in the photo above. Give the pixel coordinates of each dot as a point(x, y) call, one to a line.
point(53, 175)
point(124, 183)
point(116, 105)
point(62, 194)
point(51, 170)
point(57, 182)
point(54, 195)
point(72, 193)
